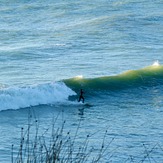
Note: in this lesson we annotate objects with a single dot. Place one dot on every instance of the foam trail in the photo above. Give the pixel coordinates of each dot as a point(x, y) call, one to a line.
point(21, 97)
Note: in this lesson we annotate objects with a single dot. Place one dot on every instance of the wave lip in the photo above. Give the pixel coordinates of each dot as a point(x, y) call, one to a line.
point(21, 97)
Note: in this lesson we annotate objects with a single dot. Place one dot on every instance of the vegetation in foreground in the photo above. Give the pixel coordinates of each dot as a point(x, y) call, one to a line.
point(56, 146)
point(60, 146)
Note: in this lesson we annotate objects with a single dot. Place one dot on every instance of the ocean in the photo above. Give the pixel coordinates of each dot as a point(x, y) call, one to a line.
point(113, 50)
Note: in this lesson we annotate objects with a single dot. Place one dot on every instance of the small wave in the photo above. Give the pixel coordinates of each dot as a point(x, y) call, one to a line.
point(21, 97)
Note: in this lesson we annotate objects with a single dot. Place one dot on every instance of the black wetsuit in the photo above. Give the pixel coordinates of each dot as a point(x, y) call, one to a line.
point(81, 96)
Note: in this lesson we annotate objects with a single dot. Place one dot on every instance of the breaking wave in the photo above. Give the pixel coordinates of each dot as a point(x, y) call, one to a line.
point(21, 97)
point(63, 91)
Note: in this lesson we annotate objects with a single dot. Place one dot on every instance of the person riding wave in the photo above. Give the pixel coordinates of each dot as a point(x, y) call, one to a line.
point(81, 96)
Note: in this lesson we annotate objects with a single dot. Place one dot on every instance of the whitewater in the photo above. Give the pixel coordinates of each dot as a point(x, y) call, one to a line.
point(113, 50)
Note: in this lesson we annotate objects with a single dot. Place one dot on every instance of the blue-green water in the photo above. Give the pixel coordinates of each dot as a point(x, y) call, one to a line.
point(112, 49)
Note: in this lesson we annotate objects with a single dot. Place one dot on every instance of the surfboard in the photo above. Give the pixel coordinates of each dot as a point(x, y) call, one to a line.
point(86, 104)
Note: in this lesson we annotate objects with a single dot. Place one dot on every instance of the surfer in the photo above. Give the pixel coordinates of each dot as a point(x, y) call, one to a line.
point(81, 96)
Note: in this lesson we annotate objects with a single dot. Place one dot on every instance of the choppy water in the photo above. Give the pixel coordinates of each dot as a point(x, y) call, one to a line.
point(112, 49)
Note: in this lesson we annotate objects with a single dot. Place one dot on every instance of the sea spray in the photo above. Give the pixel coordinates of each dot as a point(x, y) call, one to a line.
point(21, 97)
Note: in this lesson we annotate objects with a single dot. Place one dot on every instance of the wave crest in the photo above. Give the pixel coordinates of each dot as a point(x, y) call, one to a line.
point(148, 76)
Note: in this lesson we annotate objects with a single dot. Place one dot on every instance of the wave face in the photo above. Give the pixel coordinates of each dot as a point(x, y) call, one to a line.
point(145, 77)
point(21, 97)
point(63, 91)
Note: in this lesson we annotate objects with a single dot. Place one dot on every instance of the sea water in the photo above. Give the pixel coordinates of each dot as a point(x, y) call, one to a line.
point(49, 50)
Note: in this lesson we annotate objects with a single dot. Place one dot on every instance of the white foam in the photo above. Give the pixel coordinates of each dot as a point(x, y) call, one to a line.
point(79, 76)
point(156, 63)
point(21, 97)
